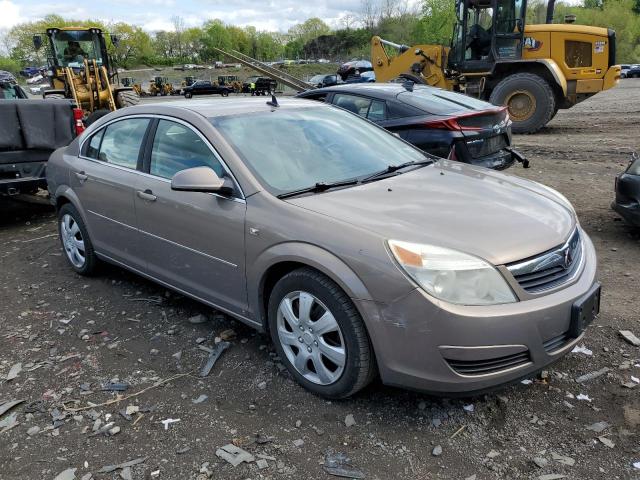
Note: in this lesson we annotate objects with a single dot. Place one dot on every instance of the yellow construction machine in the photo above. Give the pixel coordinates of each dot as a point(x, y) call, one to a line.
point(161, 86)
point(131, 82)
point(80, 69)
point(532, 69)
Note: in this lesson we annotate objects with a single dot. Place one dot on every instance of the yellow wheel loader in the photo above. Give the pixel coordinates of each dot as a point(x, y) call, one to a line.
point(80, 69)
point(161, 86)
point(131, 82)
point(532, 69)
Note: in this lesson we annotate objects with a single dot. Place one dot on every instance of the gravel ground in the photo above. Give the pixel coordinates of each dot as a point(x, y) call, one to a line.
point(71, 335)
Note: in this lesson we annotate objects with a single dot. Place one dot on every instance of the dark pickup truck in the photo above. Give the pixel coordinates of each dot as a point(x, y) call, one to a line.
point(30, 130)
point(205, 87)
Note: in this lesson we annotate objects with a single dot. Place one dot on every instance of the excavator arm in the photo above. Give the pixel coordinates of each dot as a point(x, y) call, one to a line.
point(423, 63)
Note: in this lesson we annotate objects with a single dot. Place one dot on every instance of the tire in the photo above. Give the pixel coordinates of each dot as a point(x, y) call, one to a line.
point(70, 228)
point(533, 94)
point(94, 116)
point(224, 93)
point(346, 340)
point(127, 98)
point(188, 95)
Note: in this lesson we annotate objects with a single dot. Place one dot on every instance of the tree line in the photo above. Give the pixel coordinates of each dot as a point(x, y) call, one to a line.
point(431, 22)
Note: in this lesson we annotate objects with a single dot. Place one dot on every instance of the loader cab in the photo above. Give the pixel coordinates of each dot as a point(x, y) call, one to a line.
point(486, 32)
point(69, 47)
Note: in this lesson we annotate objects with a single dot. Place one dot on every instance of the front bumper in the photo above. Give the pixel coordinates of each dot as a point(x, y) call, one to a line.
point(420, 342)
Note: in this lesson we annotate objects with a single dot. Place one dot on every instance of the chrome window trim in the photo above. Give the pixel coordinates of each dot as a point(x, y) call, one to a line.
point(218, 157)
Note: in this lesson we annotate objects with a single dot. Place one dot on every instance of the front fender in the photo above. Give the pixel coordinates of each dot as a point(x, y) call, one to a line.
point(306, 254)
point(556, 72)
point(66, 192)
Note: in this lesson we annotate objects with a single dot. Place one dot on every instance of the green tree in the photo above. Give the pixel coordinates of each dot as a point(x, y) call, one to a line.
point(133, 47)
point(215, 36)
point(309, 30)
point(436, 24)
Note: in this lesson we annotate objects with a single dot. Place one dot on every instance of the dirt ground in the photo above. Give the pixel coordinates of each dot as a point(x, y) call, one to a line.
point(73, 334)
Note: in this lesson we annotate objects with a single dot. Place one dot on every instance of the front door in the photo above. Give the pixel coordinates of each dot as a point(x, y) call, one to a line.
point(192, 241)
point(104, 178)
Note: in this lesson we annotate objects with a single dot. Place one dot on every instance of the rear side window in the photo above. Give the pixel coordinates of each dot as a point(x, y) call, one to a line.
point(353, 103)
point(177, 147)
point(92, 150)
point(377, 111)
point(122, 141)
point(577, 54)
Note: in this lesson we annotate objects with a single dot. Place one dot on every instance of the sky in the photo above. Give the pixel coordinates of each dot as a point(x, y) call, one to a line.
point(153, 15)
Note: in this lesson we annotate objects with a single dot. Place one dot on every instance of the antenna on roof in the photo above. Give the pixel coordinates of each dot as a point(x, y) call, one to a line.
point(408, 85)
point(274, 101)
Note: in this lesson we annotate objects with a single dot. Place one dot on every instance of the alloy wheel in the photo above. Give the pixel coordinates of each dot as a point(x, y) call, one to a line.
point(72, 241)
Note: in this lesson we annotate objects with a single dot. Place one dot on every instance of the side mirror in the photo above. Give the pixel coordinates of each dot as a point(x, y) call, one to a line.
point(201, 179)
point(115, 40)
point(37, 42)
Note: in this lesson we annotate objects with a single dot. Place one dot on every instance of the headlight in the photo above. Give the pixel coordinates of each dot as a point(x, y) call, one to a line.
point(452, 276)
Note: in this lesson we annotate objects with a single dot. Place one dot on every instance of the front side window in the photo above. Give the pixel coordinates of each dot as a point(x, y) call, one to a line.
point(321, 144)
point(176, 147)
point(93, 145)
point(122, 141)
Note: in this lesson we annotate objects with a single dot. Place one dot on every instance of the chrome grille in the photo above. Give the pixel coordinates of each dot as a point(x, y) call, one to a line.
point(550, 269)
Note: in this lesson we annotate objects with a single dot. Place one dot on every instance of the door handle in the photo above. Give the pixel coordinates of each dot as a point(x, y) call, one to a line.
point(146, 195)
point(82, 176)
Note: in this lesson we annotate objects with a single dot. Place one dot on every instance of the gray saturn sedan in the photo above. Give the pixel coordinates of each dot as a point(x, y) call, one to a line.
point(359, 254)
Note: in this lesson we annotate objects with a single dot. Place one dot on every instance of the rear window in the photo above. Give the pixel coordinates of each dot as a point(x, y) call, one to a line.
point(440, 102)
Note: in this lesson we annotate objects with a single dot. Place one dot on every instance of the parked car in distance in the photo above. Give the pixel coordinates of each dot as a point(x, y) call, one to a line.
point(627, 186)
point(633, 72)
point(9, 88)
point(623, 70)
point(358, 253)
point(445, 124)
point(205, 87)
point(264, 85)
point(321, 81)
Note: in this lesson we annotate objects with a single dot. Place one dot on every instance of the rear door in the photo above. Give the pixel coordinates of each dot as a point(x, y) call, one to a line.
point(104, 178)
point(192, 241)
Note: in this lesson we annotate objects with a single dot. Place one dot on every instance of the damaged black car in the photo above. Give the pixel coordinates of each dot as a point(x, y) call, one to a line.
point(627, 185)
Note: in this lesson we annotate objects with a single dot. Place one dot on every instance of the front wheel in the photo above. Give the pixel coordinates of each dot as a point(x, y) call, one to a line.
point(319, 335)
point(529, 98)
point(224, 93)
point(75, 240)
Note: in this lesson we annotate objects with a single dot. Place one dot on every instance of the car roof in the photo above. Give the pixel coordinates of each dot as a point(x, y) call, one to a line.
point(221, 107)
point(390, 90)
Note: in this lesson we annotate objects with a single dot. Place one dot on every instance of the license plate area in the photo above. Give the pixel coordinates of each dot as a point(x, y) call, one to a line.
point(584, 311)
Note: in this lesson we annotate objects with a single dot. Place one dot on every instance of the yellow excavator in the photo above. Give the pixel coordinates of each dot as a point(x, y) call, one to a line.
point(532, 69)
point(80, 69)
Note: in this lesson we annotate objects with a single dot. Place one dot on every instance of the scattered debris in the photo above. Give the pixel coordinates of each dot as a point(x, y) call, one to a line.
point(630, 337)
point(68, 474)
point(198, 319)
point(298, 443)
point(592, 375)
point(228, 334)
point(493, 454)
point(564, 460)
point(120, 466)
point(33, 431)
point(526, 382)
point(234, 455)
point(582, 349)
point(437, 451)
point(598, 427)
point(636, 465)
point(200, 399)
point(606, 442)
point(339, 465)
point(114, 387)
point(349, 421)
point(551, 476)
point(213, 357)
point(584, 397)
point(14, 371)
point(540, 462)
point(168, 422)
point(262, 464)
point(469, 408)
point(7, 405)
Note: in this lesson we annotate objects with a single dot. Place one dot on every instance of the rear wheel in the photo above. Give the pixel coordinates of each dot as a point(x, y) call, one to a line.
point(319, 335)
point(529, 98)
point(127, 98)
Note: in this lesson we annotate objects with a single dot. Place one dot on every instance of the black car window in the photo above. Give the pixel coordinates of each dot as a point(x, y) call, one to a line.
point(353, 103)
point(402, 110)
point(177, 147)
point(377, 111)
point(92, 147)
point(122, 140)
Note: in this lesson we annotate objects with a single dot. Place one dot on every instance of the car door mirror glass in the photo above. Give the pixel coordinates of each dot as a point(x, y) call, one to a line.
point(201, 179)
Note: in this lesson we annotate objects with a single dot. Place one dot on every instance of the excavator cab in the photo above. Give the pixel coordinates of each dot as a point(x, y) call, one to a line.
point(486, 32)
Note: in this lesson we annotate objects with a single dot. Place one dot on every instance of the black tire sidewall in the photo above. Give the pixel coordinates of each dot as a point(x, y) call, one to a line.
point(306, 280)
point(541, 91)
point(91, 260)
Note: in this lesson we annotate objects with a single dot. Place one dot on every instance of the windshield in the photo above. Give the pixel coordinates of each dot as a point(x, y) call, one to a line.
point(8, 91)
point(317, 79)
point(72, 47)
point(294, 148)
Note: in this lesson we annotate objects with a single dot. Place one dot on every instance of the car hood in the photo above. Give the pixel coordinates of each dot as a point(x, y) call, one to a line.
point(489, 214)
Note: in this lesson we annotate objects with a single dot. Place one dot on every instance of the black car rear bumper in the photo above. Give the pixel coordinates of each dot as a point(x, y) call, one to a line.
point(629, 211)
point(501, 159)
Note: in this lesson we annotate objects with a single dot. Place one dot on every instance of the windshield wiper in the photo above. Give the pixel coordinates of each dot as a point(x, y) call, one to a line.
point(393, 168)
point(319, 187)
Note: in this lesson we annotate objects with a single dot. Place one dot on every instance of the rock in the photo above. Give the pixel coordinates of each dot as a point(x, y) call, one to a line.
point(592, 375)
point(262, 385)
point(177, 355)
point(630, 337)
point(130, 463)
point(262, 464)
point(227, 335)
point(33, 431)
point(598, 427)
point(114, 431)
point(131, 409)
point(469, 408)
point(14, 371)
point(298, 443)
point(540, 462)
point(339, 465)
point(436, 422)
point(606, 442)
point(87, 476)
point(493, 454)
point(551, 476)
point(437, 451)
point(200, 399)
point(197, 319)
point(154, 351)
point(349, 421)
point(570, 462)
point(125, 473)
point(234, 455)
point(298, 423)
point(68, 474)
